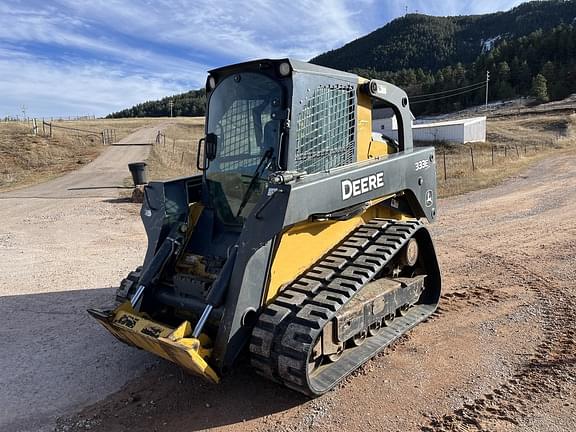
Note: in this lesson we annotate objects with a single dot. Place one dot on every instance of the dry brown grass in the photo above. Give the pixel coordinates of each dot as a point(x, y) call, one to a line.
point(175, 154)
point(122, 127)
point(26, 159)
point(517, 144)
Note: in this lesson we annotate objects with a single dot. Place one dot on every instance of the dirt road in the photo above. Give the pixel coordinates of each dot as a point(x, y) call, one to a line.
point(63, 244)
point(499, 354)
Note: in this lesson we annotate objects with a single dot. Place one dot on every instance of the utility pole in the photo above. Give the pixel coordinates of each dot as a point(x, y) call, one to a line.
point(487, 80)
point(406, 9)
point(23, 108)
point(171, 105)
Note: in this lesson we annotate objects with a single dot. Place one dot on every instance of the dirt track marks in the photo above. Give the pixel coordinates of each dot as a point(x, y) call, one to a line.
point(542, 377)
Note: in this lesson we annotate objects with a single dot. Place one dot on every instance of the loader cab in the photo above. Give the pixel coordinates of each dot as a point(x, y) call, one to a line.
point(288, 116)
point(271, 116)
point(245, 126)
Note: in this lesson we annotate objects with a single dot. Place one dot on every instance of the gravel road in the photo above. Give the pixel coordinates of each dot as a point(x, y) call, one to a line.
point(499, 355)
point(63, 245)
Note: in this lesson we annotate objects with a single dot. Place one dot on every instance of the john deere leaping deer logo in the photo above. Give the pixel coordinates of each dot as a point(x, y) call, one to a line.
point(429, 198)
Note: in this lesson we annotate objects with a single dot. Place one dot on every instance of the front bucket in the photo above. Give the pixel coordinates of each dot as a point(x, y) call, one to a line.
point(172, 344)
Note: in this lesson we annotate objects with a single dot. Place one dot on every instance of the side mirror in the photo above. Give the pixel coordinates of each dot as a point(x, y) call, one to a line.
point(211, 146)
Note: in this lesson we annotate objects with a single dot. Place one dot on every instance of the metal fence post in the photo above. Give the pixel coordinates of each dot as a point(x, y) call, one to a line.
point(444, 156)
point(472, 157)
point(492, 154)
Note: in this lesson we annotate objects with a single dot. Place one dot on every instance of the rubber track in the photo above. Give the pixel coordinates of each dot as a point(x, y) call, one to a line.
point(286, 329)
point(128, 286)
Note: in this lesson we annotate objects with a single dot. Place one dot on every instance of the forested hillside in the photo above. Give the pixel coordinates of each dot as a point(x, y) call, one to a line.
point(541, 65)
point(430, 43)
point(442, 61)
point(192, 103)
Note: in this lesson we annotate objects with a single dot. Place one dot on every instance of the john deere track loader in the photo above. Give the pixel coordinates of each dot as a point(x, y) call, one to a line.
point(300, 245)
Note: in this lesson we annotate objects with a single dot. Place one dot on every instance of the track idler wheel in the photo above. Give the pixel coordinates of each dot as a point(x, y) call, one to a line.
point(359, 339)
point(388, 319)
point(375, 329)
point(336, 356)
point(403, 310)
point(409, 253)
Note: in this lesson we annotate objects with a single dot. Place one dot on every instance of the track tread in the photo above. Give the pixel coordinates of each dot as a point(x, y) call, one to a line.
point(282, 338)
point(128, 286)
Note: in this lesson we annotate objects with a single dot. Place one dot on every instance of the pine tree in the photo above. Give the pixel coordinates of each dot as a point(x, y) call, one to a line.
point(540, 88)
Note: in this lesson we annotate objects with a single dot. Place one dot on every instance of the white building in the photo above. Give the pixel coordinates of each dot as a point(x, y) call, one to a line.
point(455, 131)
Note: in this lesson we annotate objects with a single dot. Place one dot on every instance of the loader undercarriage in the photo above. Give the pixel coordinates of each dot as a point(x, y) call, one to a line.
point(354, 302)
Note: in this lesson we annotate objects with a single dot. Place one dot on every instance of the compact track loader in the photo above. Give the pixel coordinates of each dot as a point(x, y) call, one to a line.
point(300, 245)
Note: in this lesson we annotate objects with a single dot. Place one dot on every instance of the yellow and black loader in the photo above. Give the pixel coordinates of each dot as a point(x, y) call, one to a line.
point(300, 244)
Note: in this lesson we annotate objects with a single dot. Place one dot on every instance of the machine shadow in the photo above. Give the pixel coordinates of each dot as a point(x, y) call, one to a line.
point(165, 398)
point(120, 200)
point(72, 363)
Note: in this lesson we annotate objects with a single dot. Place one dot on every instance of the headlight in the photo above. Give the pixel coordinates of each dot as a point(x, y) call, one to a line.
point(211, 82)
point(284, 69)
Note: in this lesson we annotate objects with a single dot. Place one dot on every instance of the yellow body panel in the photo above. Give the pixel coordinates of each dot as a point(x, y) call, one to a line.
point(364, 116)
point(174, 345)
point(305, 243)
point(366, 148)
point(194, 212)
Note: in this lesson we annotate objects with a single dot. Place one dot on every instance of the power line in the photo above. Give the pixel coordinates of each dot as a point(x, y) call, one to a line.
point(448, 96)
point(447, 91)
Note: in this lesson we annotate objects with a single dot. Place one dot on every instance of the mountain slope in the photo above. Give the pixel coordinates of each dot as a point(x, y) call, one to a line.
point(529, 50)
point(428, 42)
point(191, 103)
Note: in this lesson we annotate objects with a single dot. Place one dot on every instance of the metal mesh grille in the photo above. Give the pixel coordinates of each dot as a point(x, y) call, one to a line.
point(326, 129)
point(239, 144)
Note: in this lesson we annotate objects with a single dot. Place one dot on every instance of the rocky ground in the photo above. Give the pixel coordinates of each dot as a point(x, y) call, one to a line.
point(499, 354)
point(63, 245)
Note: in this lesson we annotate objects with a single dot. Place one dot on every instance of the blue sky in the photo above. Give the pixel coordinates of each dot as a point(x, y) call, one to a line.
point(61, 57)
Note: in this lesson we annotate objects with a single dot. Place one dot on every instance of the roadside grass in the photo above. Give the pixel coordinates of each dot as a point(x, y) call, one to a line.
point(122, 127)
point(26, 159)
point(517, 144)
point(175, 154)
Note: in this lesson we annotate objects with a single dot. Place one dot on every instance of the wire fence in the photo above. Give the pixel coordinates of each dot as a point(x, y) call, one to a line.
point(174, 151)
point(458, 161)
point(177, 152)
point(24, 119)
point(107, 136)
